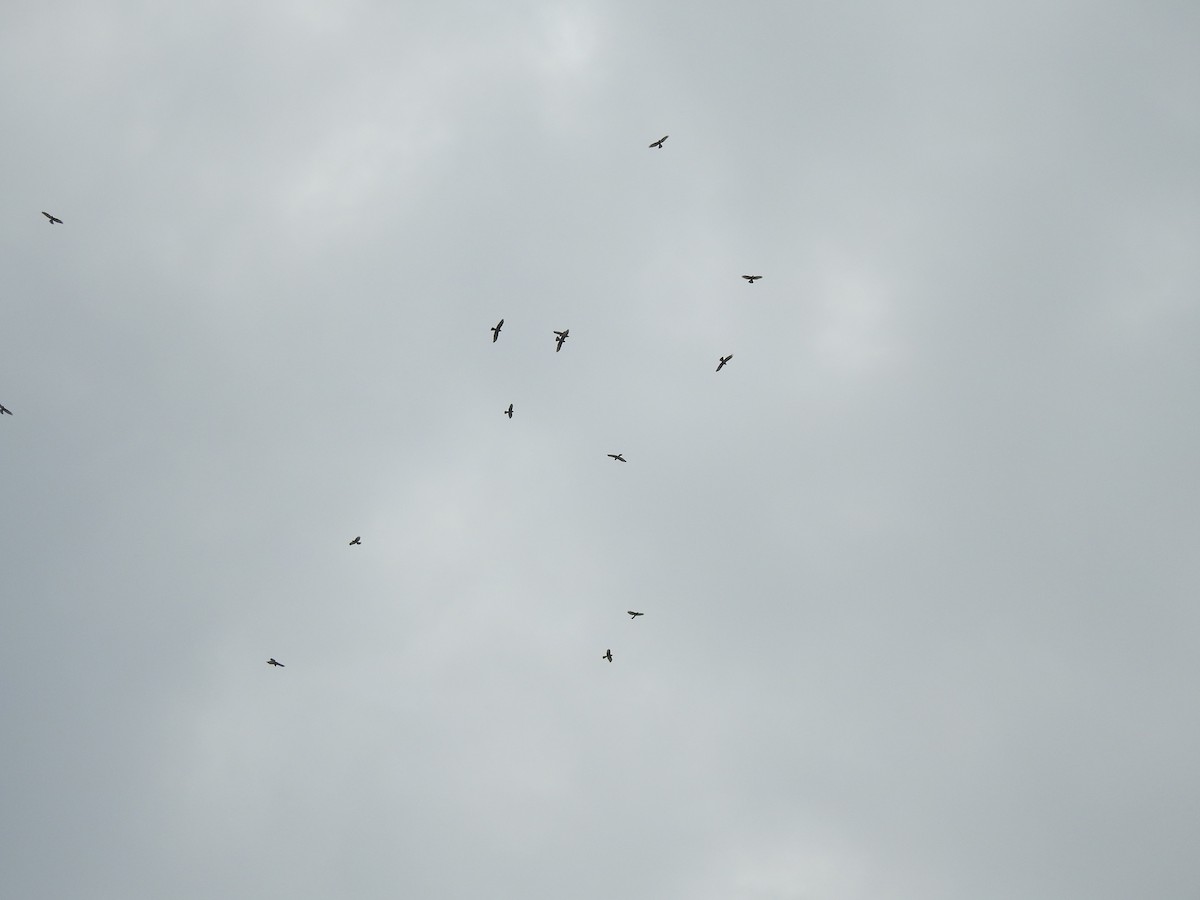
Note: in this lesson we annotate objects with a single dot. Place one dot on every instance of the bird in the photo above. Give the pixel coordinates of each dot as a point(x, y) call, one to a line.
point(562, 336)
point(619, 457)
point(496, 331)
point(752, 278)
point(274, 662)
point(607, 656)
point(508, 412)
point(633, 615)
point(659, 142)
point(724, 359)
point(52, 219)
point(357, 540)
point(5, 412)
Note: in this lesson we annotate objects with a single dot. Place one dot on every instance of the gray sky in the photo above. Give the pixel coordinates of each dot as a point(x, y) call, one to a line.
point(918, 567)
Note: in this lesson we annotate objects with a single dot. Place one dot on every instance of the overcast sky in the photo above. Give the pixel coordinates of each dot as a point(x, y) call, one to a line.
point(919, 566)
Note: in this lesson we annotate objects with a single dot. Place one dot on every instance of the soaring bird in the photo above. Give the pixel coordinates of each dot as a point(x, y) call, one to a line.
point(5, 412)
point(274, 662)
point(633, 615)
point(724, 359)
point(607, 656)
point(752, 278)
point(562, 336)
point(357, 540)
point(619, 457)
point(52, 219)
point(659, 142)
point(508, 412)
point(496, 331)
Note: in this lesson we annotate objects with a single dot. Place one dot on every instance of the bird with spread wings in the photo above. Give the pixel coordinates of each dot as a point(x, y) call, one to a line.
point(496, 331)
point(53, 219)
point(659, 142)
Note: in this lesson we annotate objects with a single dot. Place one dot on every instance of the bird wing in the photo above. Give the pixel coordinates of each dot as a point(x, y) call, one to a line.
point(499, 324)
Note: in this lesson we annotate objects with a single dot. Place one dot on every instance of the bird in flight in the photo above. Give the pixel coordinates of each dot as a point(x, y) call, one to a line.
point(274, 662)
point(357, 540)
point(496, 331)
point(607, 656)
point(5, 412)
point(752, 278)
point(562, 336)
point(508, 412)
point(52, 219)
point(619, 457)
point(659, 142)
point(724, 359)
point(633, 615)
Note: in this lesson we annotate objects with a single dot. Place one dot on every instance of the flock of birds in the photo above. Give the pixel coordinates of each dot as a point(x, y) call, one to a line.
point(560, 338)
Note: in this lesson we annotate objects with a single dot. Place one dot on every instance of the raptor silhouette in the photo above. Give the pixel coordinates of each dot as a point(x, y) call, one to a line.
point(562, 336)
point(508, 412)
point(357, 540)
point(724, 359)
point(659, 142)
point(633, 615)
point(619, 457)
point(496, 331)
point(752, 278)
point(608, 656)
point(274, 662)
point(53, 219)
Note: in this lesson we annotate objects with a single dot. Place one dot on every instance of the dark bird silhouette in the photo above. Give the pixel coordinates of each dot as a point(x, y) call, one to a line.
point(752, 278)
point(357, 540)
point(562, 336)
point(724, 359)
point(633, 615)
point(508, 412)
point(5, 412)
point(619, 457)
point(53, 219)
point(496, 331)
point(607, 656)
point(659, 142)
point(274, 662)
